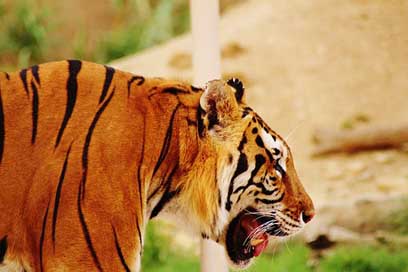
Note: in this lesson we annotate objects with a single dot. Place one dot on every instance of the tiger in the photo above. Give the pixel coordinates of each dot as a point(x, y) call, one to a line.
point(89, 154)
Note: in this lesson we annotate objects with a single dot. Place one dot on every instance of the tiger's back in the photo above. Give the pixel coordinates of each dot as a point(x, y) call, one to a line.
point(38, 121)
point(63, 125)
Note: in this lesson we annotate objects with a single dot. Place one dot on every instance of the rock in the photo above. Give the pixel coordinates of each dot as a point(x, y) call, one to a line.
point(356, 167)
point(366, 176)
point(339, 234)
point(334, 172)
point(321, 242)
point(384, 158)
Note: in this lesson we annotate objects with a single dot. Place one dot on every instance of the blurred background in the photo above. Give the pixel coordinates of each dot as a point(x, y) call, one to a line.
point(330, 76)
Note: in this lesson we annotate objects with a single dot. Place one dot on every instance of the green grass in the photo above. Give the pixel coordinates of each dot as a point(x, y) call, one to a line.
point(294, 257)
point(159, 256)
point(168, 19)
point(23, 35)
point(28, 32)
point(291, 258)
point(398, 220)
point(365, 259)
point(175, 263)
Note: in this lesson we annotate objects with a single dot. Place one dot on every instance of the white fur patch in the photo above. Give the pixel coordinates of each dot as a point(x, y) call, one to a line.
point(243, 178)
point(224, 177)
point(11, 266)
point(270, 144)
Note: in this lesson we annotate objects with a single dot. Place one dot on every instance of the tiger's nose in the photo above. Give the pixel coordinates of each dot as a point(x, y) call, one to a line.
point(307, 208)
point(307, 215)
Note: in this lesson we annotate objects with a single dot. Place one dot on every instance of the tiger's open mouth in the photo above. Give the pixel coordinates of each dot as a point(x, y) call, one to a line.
point(247, 235)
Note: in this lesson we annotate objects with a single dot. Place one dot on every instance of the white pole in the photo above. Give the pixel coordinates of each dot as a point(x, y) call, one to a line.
point(207, 66)
point(206, 45)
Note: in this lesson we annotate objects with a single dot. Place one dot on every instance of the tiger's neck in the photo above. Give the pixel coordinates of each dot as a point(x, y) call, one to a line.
point(187, 176)
point(171, 143)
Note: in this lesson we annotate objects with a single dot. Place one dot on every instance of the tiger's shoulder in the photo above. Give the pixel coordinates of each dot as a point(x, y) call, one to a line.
point(77, 74)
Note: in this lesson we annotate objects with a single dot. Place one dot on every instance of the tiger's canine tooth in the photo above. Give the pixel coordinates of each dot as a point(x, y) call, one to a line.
point(255, 242)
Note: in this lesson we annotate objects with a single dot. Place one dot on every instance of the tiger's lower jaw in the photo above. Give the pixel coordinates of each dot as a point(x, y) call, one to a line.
point(243, 242)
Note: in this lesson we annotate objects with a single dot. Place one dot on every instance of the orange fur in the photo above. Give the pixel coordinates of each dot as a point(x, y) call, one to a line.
point(89, 154)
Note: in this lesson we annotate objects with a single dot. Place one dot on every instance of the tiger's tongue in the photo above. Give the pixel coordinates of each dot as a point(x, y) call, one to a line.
point(260, 241)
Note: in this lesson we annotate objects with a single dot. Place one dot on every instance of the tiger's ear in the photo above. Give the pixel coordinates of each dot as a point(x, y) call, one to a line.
point(238, 89)
point(220, 104)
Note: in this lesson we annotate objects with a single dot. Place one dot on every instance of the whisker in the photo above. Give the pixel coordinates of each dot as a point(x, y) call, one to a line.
point(301, 122)
point(285, 219)
point(282, 224)
point(262, 228)
point(287, 247)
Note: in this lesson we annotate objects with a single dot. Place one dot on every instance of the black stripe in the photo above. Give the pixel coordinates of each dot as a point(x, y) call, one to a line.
point(74, 66)
point(212, 114)
point(3, 248)
point(162, 183)
point(266, 191)
point(139, 169)
point(248, 109)
point(191, 122)
point(88, 141)
point(58, 195)
point(259, 141)
point(259, 161)
point(269, 201)
point(140, 81)
point(167, 196)
point(23, 76)
point(242, 143)
point(258, 185)
point(2, 131)
point(81, 192)
point(108, 81)
point(200, 121)
point(195, 89)
point(219, 198)
point(7, 76)
point(269, 155)
point(85, 231)
point(264, 126)
point(166, 142)
point(34, 71)
point(244, 113)
point(175, 91)
point(287, 222)
point(119, 251)
point(140, 234)
point(154, 193)
point(44, 225)
point(242, 166)
point(279, 168)
point(34, 112)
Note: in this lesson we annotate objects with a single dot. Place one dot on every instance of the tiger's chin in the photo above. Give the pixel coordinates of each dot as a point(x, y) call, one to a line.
point(244, 238)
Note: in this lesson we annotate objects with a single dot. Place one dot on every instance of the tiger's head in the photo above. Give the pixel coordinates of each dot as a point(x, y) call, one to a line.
point(259, 192)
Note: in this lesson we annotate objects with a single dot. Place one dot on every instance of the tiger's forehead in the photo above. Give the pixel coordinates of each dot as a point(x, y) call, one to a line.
point(272, 141)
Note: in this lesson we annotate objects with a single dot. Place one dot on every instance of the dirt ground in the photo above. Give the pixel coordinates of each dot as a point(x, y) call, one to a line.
point(317, 64)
